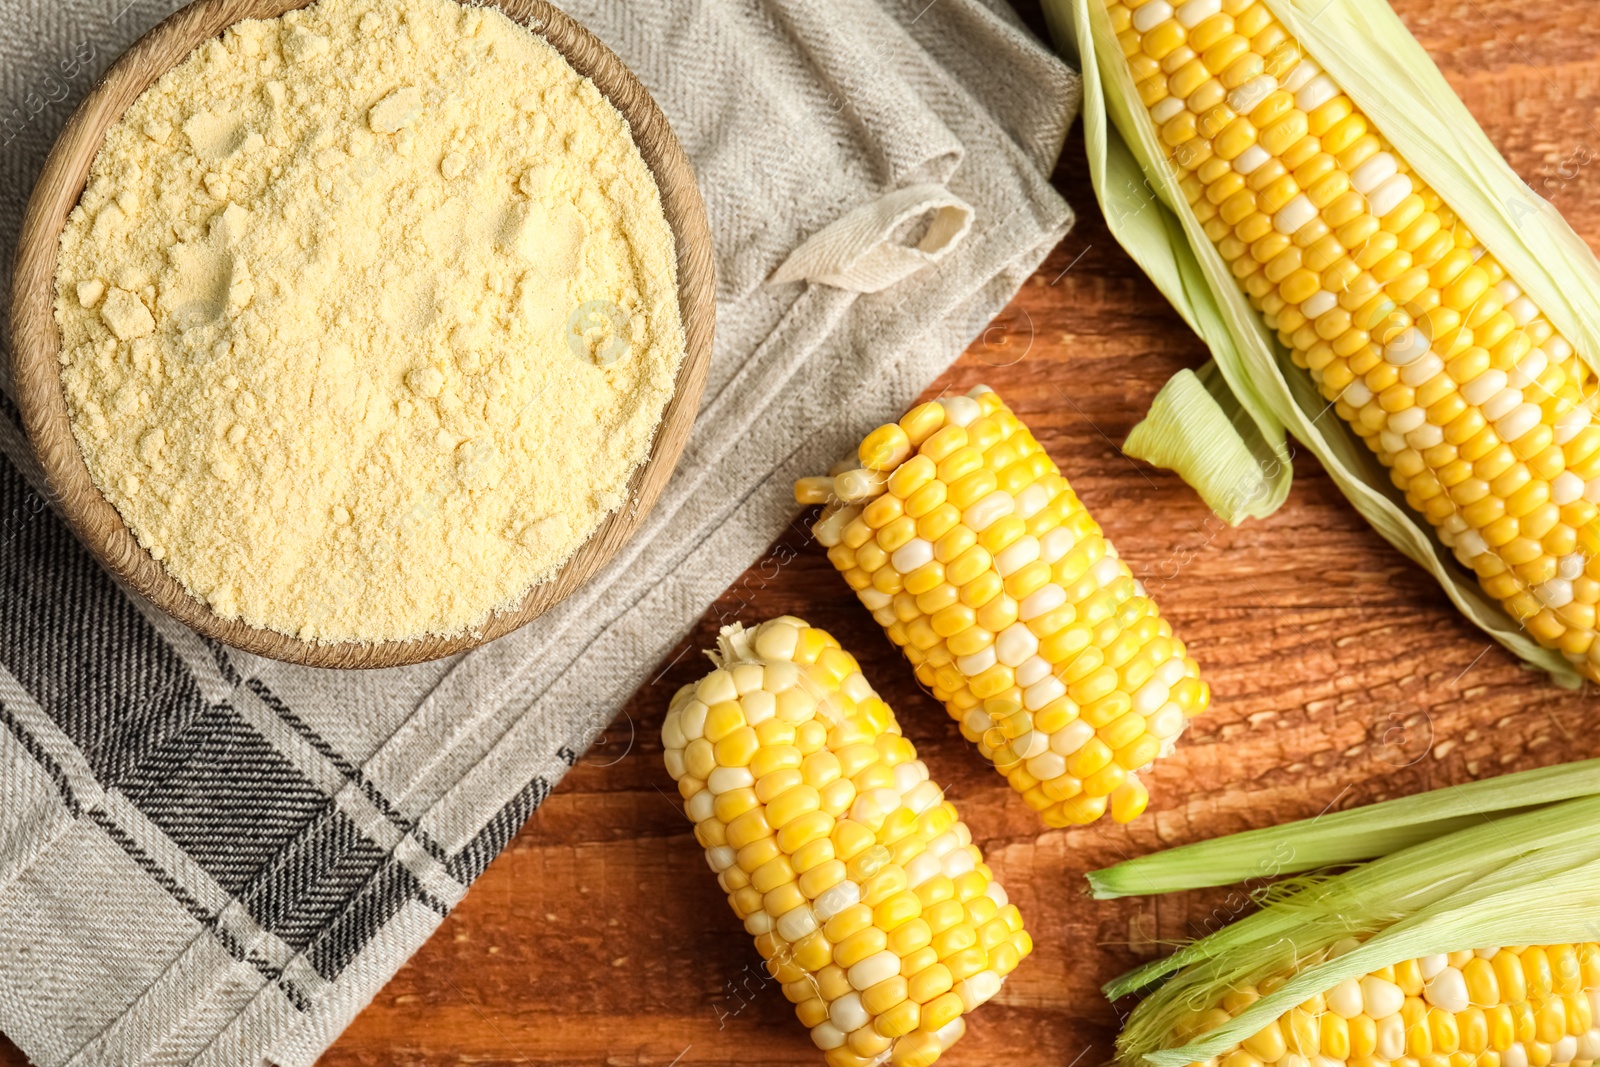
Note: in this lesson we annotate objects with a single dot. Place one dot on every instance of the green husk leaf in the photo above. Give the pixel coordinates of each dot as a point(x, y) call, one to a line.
point(1209, 441)
point(1363, 45)
point(1386, 890)
point(1550, 910)
point(1342, 837)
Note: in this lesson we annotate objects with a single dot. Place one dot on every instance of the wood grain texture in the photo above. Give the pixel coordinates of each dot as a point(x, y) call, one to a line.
point(1341, 674)
point(36, 342)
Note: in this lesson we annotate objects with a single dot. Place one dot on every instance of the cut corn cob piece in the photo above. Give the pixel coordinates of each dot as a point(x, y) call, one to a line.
point(1455, 379)
point(1525, 1006)
point(862, 886)
point(962, 538)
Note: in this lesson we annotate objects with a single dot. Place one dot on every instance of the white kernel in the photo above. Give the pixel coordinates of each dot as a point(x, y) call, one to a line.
point(1374, 172)
point(1030, 744)
point(727, 779)
point(1151, 15)
point(1055, 544)
point(1523, 310)
point(874, 599)
point(1453, 525)
point(1392, 443)
point(956, 863)
point(673, 758)
point(1508, 289)
point(1515, 1056)
point(1513, 426)
point(827, 1036)
point(1388, 196)
point(961, 410)
point(1195, 12)
point(1173, 671)
point(1150, 696)
point(1166, 110)
point(1166, 723)
point(1429, 966)
point(1403, 422)
point(1018, 554)
point(1530, 368)
point(920, 868)
point(1571, 423)
point(1316, 92)
point(1356, 394)
point(1556, 593)
point(1042, 692)
point(1015, 644)
point(701, 806)
point(1251, 159)
point(945, 843)
point(1041, 601)
point(1392, 1037)
point(1106, 569)
point(977, 663)
point(1565, 1050)
point(979, 988)
point(986, 512)
point(1046, 765)
point(1572, 565)
point(911, 555)
point(997, 893)
point(796, 923)
point(1382, 999)
point(1588, 1046)
point(1344, 999)
point(1502, 403)
point(1471, 545)
point(1566, 488)
point(1031, 499)
point(1558, 348)
point(721, 857)
point(758, 922)
point(1408, 346)
point(1318, 304)
point(847, 1014)
point(1422, 371)
point(1484, 387)
point(692, 719)
point(1303, 72)
point(1248, 96)
point(1425, 437)
point(1447, 990)
point(1294, 215)
point(1071, 737)
point(837, 898)
point(924, 795)
point(1034, 669)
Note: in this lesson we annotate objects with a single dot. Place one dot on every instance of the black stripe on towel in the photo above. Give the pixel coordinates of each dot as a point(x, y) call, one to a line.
point(201, 773)
point(489, 842)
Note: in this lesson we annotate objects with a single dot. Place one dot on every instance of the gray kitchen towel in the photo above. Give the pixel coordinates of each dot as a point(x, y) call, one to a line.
point(211, 858)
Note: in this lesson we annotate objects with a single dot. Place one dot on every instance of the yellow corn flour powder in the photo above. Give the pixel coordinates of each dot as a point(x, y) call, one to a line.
point(368, 315)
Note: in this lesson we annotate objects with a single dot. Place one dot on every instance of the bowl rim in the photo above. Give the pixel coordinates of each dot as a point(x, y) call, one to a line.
point(35, 339)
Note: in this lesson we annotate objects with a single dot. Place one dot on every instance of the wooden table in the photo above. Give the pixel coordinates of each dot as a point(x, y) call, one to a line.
point(1341, 674)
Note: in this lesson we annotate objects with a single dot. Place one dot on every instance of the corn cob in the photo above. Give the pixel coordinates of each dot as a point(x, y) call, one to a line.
point(1528, 1006)
point(864, 891)
point(962, 538)
point(1460, 385)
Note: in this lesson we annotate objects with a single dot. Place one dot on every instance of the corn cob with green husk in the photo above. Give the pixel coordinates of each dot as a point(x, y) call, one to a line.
point(1418, 337)
point(958, 533)
point(1476, 943)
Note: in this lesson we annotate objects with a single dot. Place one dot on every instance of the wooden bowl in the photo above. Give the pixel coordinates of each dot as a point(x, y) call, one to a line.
point(36, 341)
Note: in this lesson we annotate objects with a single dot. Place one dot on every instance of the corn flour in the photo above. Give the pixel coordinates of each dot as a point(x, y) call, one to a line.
point(368, 314)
